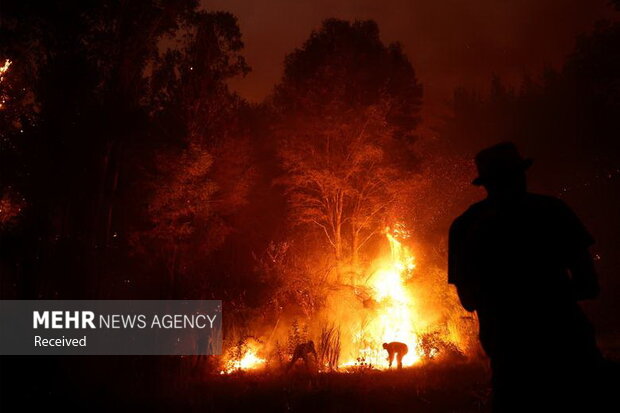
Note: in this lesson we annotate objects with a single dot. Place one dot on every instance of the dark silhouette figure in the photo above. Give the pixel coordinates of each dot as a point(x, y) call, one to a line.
point(521, 261)
point(303, 351)
point(396, 349)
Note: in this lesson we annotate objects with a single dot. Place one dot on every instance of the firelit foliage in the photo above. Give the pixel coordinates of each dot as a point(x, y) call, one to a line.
point(297, 334)
point(346, 110)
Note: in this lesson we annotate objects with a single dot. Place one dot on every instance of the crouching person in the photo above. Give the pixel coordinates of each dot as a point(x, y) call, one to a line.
point(398, 350)
point(303, 351)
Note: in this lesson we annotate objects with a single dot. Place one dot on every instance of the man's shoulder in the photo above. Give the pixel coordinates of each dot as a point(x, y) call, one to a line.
point(474, 210)
point(562, 218)
point(470, 214)
point(533, 197)
point(545, 201)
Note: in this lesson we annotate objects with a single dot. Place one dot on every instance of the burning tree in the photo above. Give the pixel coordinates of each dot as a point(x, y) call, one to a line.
point(346, 110)
point(345, 114)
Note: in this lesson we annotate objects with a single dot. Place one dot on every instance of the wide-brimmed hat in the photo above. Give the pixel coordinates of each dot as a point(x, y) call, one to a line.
point(499, 160)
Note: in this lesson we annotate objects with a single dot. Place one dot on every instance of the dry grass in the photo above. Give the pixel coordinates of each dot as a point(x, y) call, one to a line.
point(329, 347)
point(433, 388)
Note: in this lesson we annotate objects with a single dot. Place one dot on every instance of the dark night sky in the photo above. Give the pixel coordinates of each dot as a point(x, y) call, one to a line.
point(451, 43)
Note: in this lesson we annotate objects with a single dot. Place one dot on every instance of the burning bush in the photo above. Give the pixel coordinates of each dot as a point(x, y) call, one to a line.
point(244, 355)
point(394, 301)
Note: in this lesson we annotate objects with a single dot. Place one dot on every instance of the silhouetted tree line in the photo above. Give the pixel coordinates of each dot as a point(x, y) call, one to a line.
point(127, 162)
point(114, 112)
point(129, 169)
point(567, 120)
point(568, 115)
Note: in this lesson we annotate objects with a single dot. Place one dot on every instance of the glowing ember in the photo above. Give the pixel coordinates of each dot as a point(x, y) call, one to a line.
point(394, 318)
point(4, 68)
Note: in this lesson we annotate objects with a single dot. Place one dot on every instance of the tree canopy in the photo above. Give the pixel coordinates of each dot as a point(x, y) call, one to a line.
point(346, 109)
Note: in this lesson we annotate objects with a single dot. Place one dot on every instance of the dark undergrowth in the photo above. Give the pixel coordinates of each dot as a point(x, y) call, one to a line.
point(173, 384)
point(148, 384)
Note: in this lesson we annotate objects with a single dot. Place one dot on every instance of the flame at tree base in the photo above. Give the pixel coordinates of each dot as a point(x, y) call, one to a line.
point(392, 317)
point(248, 359)
point(383, 308)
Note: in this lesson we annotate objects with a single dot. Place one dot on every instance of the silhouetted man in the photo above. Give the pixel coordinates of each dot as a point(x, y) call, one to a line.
point(521, 261)
point(397, 349)
point(303, 351)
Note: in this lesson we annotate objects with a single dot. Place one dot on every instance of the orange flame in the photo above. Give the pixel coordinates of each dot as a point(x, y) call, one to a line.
point(394, 318)
point(249, 361)
point(3, 69)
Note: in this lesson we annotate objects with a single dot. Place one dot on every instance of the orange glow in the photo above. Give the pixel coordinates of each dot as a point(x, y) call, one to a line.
point(395, 315)
point(248, 361)
point(4, 68)
point(385, 307)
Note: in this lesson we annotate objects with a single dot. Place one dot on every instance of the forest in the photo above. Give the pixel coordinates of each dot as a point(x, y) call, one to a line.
point(130, 169)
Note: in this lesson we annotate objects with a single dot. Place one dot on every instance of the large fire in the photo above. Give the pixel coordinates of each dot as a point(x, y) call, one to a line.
point(394, 315)
point(390, 313)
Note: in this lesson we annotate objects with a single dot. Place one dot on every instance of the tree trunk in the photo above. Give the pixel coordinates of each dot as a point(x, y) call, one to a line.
point(355, 242)
point(338, 250)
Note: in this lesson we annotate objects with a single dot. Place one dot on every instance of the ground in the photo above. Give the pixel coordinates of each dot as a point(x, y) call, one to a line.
point(171, 384)
point(431, 388)
point(174, 384)
point(163, 384)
